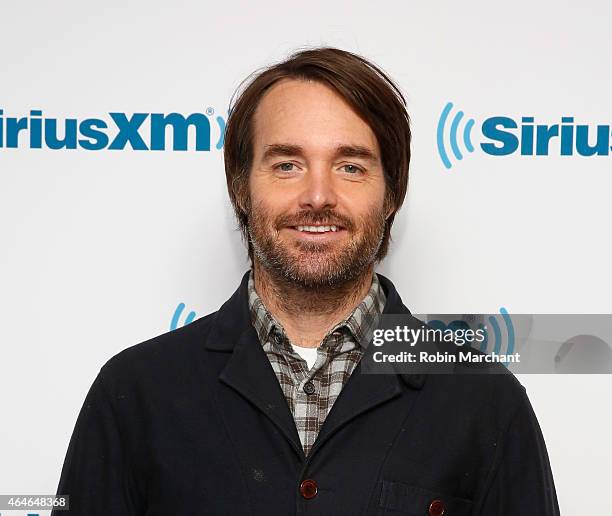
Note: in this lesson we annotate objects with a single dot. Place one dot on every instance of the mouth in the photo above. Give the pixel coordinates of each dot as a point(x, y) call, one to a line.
point(317, 228)
point(317, 232)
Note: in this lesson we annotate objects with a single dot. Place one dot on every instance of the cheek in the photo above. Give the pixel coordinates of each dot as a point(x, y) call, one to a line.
point(257, 198)
point(267, 193)
point(362, 205)
point(269, 206)
point(266, 211)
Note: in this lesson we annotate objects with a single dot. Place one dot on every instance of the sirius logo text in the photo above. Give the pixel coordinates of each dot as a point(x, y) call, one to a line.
point(136, 131)
point(503, 135)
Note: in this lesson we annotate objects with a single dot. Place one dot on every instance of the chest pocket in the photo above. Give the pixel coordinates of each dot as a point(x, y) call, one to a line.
point(397, 498)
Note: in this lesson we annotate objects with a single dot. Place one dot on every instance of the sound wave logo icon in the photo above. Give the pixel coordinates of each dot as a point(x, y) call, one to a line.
point(453, 137)
point(174, 323)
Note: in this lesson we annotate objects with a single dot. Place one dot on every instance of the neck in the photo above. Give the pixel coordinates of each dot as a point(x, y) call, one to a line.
point(307, 314)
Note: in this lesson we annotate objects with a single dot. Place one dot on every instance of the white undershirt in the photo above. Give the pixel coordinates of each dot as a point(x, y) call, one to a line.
point(308, 354)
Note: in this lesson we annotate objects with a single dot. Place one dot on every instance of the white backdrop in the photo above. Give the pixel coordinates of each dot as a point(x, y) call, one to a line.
point(98, 248)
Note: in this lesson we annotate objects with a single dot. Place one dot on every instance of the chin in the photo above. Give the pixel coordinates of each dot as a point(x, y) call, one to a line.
point(319, 273)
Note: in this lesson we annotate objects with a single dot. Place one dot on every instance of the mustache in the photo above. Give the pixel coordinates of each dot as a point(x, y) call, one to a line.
point(326, 217)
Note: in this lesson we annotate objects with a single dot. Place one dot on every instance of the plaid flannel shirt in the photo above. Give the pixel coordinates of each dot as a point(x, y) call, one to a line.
point(311, 393)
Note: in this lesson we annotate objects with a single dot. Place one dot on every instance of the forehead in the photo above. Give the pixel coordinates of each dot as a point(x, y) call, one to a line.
point(309, 114)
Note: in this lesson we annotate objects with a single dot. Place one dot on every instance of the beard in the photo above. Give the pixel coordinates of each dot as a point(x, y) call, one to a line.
point(312, 264)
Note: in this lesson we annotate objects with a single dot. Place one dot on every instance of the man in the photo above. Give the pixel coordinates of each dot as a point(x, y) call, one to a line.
point(262, 407)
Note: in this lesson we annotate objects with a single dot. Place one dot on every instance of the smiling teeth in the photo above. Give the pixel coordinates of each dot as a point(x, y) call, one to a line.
point(317, 229)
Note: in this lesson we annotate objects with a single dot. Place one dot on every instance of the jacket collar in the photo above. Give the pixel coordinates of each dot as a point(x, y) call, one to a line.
point(233, 321)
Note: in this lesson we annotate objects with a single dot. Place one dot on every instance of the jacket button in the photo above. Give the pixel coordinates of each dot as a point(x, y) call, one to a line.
point(309, 388)
point(308, 489)
point(436, 508)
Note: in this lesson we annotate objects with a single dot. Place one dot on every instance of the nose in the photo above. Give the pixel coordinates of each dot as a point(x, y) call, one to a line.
point(318, 189)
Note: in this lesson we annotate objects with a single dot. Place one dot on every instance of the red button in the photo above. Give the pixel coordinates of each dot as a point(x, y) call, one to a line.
point(436, 508)
point(308, 489)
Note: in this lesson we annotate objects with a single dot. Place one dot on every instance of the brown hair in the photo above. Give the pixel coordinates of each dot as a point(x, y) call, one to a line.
point(366, 88)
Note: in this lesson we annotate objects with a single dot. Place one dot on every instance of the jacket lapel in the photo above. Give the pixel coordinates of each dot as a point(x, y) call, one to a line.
point(361, 393)
point(248, 370)
point(365, 391)
point(250, 374)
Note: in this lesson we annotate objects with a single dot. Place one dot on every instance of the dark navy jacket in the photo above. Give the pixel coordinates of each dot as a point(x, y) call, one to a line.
point(194, 422)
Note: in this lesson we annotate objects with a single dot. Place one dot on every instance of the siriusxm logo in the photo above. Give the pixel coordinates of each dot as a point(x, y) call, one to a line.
point(503, 135)
point(137, 131)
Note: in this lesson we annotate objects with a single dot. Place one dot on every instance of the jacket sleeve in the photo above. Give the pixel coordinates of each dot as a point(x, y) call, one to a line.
point(521, 481)
point(96, 475)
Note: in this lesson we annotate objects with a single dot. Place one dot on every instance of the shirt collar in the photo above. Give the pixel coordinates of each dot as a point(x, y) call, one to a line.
point(360, 323)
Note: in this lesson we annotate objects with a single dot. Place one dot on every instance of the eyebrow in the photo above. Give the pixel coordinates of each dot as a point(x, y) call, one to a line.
point(342, 151)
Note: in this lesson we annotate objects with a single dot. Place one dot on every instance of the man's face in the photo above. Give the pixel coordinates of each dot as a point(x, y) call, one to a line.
point(316, 186)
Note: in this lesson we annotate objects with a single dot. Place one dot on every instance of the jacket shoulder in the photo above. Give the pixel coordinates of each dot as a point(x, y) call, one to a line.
point(172, 351)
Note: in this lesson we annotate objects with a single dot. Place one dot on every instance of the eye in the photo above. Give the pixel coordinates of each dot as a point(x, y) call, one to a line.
point(352, 169)
point(285, 167)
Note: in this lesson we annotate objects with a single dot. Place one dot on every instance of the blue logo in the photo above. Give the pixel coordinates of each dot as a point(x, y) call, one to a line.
point(120, 131)
point(174, 323)
point(453, 137)
point(504, 135)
